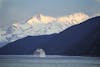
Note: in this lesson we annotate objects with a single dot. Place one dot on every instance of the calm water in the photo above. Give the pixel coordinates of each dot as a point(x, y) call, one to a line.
point(48, 61)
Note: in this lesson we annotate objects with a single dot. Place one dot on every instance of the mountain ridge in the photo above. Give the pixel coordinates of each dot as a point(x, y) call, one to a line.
point(79, 40)
point(40, 25)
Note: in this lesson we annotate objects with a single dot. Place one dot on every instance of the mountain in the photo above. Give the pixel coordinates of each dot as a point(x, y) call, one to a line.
point(3, 39)
point(78, 40)
point(41, 19)
point(40, 25)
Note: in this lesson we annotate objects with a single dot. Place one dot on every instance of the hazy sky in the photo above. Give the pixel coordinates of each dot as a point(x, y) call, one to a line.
point(20, 10)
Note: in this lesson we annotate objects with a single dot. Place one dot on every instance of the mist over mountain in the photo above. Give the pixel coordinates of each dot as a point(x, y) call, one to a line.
point(79, 40)
point(40, 25)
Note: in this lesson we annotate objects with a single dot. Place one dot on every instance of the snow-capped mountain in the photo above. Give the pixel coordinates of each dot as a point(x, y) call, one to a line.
point(41, 19)
point(40, 25)
point(74, 18)
point(3, 39)
point(79, 40)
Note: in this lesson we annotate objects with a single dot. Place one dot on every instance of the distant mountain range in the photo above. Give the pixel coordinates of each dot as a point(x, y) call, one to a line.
point(79, 40)
point(39, 25)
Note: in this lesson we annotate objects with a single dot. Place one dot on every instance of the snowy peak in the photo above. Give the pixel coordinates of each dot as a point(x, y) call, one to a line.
point(40, 19)
point(74, 18)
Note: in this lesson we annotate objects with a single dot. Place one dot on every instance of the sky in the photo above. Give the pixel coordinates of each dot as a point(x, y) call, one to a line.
point(12, 11)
